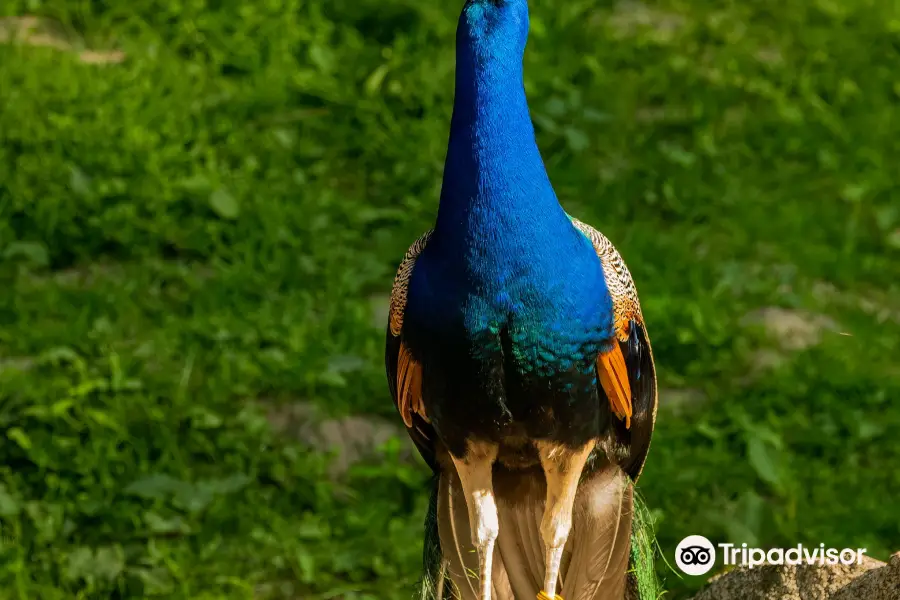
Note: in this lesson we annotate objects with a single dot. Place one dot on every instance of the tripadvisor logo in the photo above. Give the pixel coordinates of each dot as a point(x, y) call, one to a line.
point(696, 555)
point(798, 555)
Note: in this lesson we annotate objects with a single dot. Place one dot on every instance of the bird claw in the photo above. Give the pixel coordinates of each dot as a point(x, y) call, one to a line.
point(542, 595)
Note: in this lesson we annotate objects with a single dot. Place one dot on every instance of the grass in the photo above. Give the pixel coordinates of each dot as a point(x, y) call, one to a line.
point(202, 227)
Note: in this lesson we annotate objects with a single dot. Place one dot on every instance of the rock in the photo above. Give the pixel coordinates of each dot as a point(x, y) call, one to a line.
point(870, 580)
point(794, 330)
point(16, 363)
point(630, 16)
point(791, 330)
point(770, 55)
point(352, 438)
point(877, 584)
point(766, 360)
point(35, 31)
point(882, 305)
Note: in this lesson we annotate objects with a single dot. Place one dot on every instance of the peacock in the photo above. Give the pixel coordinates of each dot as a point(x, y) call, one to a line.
point(517, 357)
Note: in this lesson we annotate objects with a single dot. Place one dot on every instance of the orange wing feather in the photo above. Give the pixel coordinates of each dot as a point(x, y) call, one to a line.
point(409, 370)
point(409, 387)
point(614, 380)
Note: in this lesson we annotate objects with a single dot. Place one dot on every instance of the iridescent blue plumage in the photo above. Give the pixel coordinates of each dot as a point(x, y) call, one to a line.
point(503, 252)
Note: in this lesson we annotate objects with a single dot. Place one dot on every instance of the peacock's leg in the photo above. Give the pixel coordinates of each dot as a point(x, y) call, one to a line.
point(475, 475)
point(562, 469)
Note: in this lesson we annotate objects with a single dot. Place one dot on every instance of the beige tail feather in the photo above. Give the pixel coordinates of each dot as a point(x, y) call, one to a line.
point(596, 557)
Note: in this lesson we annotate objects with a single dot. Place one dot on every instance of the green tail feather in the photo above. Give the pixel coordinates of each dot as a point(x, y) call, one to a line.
point(432, 555)
point(643, 553)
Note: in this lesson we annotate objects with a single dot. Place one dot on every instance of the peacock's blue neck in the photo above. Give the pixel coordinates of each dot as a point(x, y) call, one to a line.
point(503, 251)
point(504, 256)
point(494, 177)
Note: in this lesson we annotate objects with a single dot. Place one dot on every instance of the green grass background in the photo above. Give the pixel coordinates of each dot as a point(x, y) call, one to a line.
point(204, 226)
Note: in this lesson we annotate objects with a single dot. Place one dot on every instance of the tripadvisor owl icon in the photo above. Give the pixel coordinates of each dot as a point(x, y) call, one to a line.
point(695, 555)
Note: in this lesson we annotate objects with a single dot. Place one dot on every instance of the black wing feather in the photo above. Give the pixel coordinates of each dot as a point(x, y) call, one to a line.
point(642, 378)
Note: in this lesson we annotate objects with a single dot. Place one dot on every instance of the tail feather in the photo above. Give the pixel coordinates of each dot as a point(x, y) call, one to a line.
point(597, 557)
point(602, 540)
point(643, 582)
point(460, 557)
point(432, 583)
